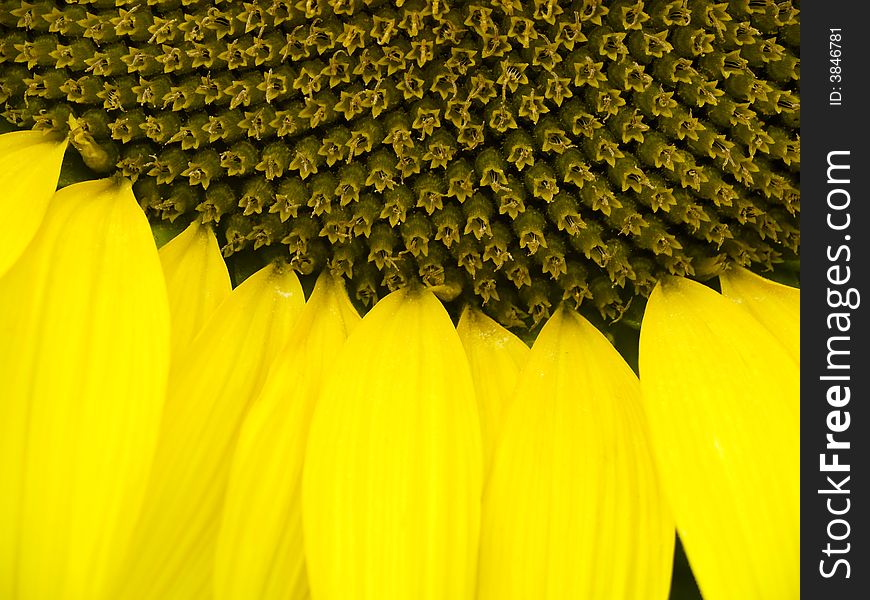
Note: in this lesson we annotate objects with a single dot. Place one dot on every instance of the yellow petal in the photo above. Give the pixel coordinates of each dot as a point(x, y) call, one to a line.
point(573, 507)
point(29, 168)
point(721, 395)
point(496, 357)
point(260, 550)
point(196, 279)
point(392, 477)
point(211, 386)
point(83, 365)
point(777, 306)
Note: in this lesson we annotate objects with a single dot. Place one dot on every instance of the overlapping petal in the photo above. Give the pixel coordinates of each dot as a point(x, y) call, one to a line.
point(211, 387)
point(777, 306)
point(392, 478)
point(260, 551)
point(84, 357)
point(721, 395)
point(573, 507)
point(496, 357)
point(29, 168)
point(197, 281)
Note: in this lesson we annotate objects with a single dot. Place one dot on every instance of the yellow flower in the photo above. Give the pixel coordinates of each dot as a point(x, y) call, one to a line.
point(477, 200)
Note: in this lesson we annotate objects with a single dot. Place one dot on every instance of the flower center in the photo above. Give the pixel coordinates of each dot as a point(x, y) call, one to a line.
point(518, 154)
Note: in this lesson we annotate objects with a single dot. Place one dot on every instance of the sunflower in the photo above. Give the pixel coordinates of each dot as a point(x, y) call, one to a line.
point(412, 258)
